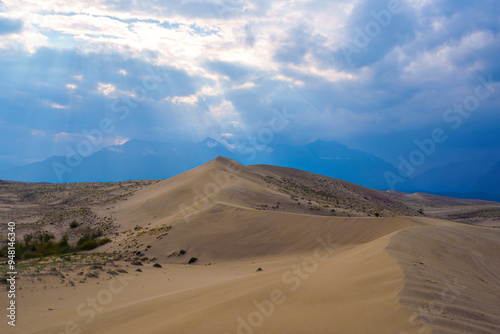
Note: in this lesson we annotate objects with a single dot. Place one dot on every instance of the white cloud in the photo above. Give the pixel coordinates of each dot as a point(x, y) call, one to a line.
point(191, 99)
point(117, 141)
point(39, 133)
point(280, 77)
point(106, 88)
point(54, 105)
point(312, 68)
point(65, 136)
point(194, 98)
point(224, 110)
point(246, 85)
point(58, 106)
point(446, 59)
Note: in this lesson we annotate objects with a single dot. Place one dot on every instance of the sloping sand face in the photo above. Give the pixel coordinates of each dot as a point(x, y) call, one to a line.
point(231, 233)
point(452, 277)
point(328, 290)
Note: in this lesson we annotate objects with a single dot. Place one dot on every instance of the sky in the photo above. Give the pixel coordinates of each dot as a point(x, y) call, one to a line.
point(385, 77)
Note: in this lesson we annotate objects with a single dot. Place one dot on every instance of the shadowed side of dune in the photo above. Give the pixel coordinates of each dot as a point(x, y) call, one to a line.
point(228, 233)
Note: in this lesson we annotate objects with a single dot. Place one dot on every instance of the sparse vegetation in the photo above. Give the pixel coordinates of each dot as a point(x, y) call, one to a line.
point(43, 244)
point(192, 260)
point(317, 192)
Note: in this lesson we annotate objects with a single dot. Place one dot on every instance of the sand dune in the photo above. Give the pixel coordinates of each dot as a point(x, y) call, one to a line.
point(320, 273)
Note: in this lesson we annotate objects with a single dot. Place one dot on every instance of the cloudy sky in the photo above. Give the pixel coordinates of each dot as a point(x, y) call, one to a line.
point(374, 75)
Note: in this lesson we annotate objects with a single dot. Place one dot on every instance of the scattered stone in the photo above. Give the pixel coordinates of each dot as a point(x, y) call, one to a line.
point(139, 270)
point(157, 265)
point(136, 263)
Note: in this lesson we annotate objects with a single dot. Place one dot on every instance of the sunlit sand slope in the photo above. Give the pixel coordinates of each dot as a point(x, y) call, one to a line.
point(452, 276)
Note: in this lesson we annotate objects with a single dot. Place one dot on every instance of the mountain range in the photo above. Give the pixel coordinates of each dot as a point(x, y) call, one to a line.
point(141, 159)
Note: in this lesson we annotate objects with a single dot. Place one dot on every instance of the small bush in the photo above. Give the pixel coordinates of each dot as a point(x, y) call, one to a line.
point(87, 244)
point(63, 245)
point(182, 252)
point(377, 214)
point(73, 224)
point(93, 274)
point(192, 260)
point(88, 240)
point(104, 241)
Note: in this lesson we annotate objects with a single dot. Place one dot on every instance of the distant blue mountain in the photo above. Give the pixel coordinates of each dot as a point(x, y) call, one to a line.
point(335, 160)
point(490, 182)
point(134, 160)
point(139, 159)
point(454, 177)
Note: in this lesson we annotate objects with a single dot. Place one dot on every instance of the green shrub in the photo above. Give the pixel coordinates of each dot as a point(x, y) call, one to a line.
point(73, 224)
point(88, 240)
point(182, 252)
point(88, 245)
point(63, 245)
point(27, 238)
point(104, 241)
point(41, 244)
point(192, 260)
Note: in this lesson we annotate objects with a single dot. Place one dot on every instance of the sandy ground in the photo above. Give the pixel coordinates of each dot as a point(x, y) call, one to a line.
point(323, 291)
point(434, 275)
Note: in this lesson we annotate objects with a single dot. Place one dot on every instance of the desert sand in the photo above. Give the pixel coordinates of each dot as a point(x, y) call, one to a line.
point(320, 272)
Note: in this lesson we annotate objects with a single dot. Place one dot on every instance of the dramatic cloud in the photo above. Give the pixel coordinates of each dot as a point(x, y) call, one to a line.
point(373, 74)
